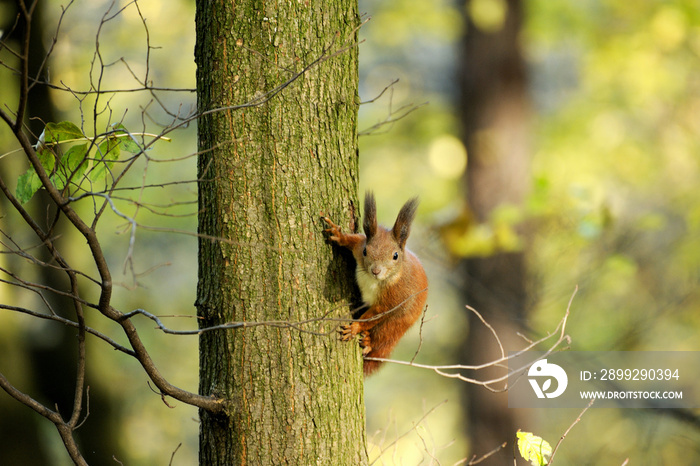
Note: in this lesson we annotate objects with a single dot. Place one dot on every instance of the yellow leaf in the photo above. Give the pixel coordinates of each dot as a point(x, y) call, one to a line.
point(534, 449)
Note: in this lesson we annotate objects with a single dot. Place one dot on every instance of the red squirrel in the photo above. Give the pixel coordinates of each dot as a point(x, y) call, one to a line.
point(391, 279)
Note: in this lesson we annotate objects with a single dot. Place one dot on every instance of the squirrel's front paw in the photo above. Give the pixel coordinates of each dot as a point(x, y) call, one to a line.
point(333, 230)
point(348, 331)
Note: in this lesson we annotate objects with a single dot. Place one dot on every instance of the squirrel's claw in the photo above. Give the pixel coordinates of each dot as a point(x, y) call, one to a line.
point(333, 230)
point(365, 343)
point(346, 332)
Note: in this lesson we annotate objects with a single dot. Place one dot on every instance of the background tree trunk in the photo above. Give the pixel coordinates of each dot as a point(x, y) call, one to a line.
point(494, 111)
point(266, 172)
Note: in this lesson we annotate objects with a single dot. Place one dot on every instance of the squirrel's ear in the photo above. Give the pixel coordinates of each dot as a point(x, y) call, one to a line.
point(402, 227)
point(369, 223)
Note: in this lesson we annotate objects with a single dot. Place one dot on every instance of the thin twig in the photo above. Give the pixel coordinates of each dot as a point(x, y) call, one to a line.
point(172, 456)
point(420, 334)
point(379, 96)
point(447, 370)
point(561, 439)
point(415, 426)
point(491, 329)
point(476, 460)
point(70, 323)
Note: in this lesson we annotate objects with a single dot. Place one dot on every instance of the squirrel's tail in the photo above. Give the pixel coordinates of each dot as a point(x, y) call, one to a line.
point(380, 351)
point(369, 367)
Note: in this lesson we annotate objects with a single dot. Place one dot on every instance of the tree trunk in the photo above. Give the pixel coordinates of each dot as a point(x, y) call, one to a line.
point(494, 111)
point(266, 171)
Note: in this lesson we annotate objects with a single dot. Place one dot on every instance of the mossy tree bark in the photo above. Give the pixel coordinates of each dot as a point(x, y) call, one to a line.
point(266, 172)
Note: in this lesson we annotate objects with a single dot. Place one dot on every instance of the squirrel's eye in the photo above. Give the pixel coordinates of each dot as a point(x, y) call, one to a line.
point(364, 252)
point(396, 256)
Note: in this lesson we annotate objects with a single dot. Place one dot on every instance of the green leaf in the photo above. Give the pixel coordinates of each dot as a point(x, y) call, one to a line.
point(107, 153)
point(126, 140)
point(534, 449)
point(72, 166)
point(63, 131)
point(27, 184)
point(47, 157)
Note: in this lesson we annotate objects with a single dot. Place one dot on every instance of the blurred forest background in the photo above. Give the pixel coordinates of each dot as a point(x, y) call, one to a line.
point(610, 203)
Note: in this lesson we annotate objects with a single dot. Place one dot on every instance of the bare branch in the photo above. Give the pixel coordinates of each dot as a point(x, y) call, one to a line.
point(64, 430)
point(491, 329)
point(298, 325)
point(476, 460)
point(379, 96)
point(454, 371)
point(70, 323)
point(172, 457)
point(420, 334)
point(392, 115)
point(561, 439)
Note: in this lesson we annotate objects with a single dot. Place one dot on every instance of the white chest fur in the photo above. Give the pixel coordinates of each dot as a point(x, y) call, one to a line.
point(369, 286)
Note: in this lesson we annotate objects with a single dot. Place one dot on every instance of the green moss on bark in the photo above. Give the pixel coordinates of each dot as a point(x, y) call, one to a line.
point(266, 171)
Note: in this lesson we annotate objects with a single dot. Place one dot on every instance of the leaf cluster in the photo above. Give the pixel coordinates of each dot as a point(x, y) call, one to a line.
point(87, 160)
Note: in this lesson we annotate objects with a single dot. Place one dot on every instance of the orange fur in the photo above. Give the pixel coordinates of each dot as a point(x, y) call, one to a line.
point(391, 279)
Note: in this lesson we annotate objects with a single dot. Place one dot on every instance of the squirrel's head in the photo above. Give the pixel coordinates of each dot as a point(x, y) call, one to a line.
point(383, 252)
